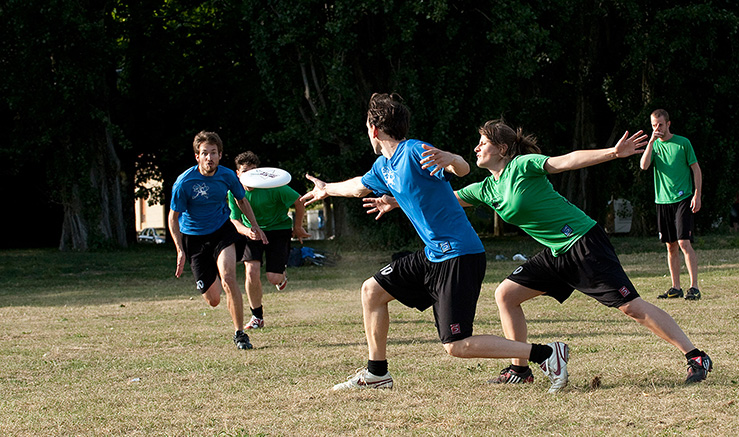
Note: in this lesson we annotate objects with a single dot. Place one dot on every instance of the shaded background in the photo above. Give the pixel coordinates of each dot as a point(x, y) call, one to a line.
point(99, 96)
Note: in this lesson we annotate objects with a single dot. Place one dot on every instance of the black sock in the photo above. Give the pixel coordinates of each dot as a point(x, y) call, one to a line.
point(258, 312)
point(518, 369)
point(694, 353)
point(539, 353)
point(377, 368)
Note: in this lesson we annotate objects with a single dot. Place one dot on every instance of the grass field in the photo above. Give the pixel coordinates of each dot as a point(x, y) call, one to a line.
point(111, 343)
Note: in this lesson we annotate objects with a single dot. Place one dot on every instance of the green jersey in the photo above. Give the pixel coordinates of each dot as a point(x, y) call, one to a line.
point(523, 196)
point(672, 160)
point(270, 206)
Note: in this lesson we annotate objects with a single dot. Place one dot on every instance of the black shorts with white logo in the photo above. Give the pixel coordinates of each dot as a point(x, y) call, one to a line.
point(202, 252)
point(590, 265)
point(452, 287)
point(276, 251)
point(675, 221)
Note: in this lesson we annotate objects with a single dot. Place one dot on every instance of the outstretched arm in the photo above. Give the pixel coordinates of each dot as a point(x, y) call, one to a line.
point(626, 146)
point(321, 190)
point(449, 161)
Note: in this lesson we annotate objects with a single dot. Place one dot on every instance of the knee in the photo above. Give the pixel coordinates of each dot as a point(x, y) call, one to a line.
point(212, 299)
point(504, 296)
point(457, 348)
point(371, 292)
point(636, 309)
point(685, 246)
point(673, 248)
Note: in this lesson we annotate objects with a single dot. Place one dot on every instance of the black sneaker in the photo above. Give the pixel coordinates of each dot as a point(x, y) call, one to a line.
point(693, 294)
point(698, 368)
point(241, 340)
point(510, 376)
point(672, 293)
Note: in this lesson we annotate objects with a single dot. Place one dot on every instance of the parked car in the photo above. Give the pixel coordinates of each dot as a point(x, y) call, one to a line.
point(152, 235)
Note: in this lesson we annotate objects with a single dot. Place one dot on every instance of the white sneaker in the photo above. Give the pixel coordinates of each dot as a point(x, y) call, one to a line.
point(255, 323)
point(281, 286)
point(555, 367)
point(364, 379)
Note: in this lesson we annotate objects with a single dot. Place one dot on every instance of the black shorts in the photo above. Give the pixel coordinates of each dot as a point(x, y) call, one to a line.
point(452, 287)
point(202, 252)
point(675, 221)
point(590, 265)
point(277, 251)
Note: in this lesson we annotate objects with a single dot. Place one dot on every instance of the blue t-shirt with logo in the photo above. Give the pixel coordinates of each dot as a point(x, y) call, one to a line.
point(428, 201)
point(201, 200)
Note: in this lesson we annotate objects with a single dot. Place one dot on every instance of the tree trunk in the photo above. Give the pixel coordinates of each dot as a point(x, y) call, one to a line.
point(93, 210)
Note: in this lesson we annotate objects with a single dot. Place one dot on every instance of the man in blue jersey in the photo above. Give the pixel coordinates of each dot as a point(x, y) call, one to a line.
point(199, 221)
point(447, 274)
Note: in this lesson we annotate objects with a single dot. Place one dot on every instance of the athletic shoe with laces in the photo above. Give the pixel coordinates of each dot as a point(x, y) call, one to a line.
point(693, 294)
point(698, 368)
point(364, 379)
point(241, 340)
point(555, 367)
point(510, 376)
point(672, 293)
point(255, 323)
point(281, 286)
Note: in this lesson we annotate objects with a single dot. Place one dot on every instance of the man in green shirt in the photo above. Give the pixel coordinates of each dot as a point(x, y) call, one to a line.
point(270, 206)
point(678, 197)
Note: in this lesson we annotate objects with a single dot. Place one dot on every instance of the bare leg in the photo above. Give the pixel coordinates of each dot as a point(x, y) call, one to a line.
point(673, 263)
point(691, 261)
point(509, 296)
point(659, 322)
point(488, 346)
point(275, 278)
point(253, 284)
point(376, 318)
point(227, 269)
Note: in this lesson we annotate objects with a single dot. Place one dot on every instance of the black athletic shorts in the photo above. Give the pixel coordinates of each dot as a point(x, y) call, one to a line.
point(276, 252)
point(590, 265)
point(202, 252)
point(675, 221)
point(452, 287)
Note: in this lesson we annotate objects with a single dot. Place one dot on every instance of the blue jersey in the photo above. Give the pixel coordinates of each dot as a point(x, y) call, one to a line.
point(428, 201)
point(201, 200)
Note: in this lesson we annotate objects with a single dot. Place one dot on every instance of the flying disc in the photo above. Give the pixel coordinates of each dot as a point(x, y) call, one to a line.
point(265, 177)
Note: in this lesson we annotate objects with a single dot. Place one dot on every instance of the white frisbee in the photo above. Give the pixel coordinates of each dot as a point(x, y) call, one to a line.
point(265, 177)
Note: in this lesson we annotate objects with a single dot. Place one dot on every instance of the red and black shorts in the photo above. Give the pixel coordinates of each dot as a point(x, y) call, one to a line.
point(452, 287)
point(590, 265)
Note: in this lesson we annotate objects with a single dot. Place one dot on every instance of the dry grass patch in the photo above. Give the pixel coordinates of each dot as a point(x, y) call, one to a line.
point(122, 348)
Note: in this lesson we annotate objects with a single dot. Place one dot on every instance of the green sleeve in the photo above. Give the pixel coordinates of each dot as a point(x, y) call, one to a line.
point(236, 213)
point(471, 194)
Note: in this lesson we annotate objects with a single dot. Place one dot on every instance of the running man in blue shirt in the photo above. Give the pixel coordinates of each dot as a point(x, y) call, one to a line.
point(199, 221)
point(447, 274)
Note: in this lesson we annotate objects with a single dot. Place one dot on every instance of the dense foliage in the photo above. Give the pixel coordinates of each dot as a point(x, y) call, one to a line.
point(98, 96)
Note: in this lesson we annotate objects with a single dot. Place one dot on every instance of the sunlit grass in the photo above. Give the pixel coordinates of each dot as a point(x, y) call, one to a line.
point(112, 343)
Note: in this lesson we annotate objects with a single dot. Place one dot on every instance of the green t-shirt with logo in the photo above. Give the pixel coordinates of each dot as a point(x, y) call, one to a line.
point(270, 206)
point(523, 196)
point(672, 177)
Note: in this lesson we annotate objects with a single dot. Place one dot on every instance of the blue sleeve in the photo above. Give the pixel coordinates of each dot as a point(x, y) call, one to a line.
point(234, 186)
point(373, 181)
point(179, 197)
